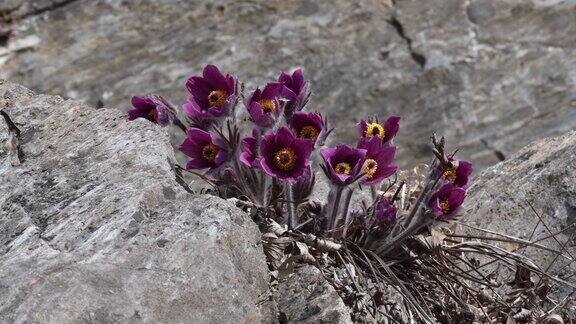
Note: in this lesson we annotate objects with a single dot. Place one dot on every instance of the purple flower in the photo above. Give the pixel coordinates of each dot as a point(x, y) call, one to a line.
point(249, 155)
point(154, 108)
point(297, 90)
point(213, 94)
point(264, 105)
point(343, 164)
point(385, 131)
point(458, 173)
point(379, 157)
point(445, 203)
point(205, 150)
point(284, 156)
point(307, 125)
point(384, 211)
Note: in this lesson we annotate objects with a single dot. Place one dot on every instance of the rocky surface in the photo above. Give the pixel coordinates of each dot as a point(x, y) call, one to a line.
point(493, 75)
point(95, 228)
point(543, 175)
point(306, 297)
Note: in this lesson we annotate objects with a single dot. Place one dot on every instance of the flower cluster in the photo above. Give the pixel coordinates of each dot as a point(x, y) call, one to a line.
point(272, 164)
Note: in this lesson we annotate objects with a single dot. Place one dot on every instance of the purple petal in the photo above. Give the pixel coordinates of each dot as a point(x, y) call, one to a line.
point(198, 87)
point(391, 125)
point(214, 78)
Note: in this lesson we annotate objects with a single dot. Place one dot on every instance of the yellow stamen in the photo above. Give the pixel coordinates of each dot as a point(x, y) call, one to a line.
point(343, 168)
point(369, 168)
point(450, 174)
point(375, 129)
point(285, 159)
point(309, 132)
point(216, 98)
point(445, 206)
point(268, 105)
point(209, 152)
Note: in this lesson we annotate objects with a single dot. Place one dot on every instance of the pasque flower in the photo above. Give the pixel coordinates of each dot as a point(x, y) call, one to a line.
point(297, 91)
point(379, 157)
point(213, 94)
point(386, 131)
point(249, 155)
point(264, 105)
point(154, 108)
point(307, 125)
point(343, 164)
point(284, 156)
point(458, 173)
point(384, 211)
point(445, 203)
point(206, 150)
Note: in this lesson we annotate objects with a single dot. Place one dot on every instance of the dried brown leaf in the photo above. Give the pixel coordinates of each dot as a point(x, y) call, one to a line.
point(553, 319)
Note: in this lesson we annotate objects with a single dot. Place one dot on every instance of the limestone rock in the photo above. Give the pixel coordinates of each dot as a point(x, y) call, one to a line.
point(306, 297)
point(492, 75)
point(544, 175)
point(95, 228)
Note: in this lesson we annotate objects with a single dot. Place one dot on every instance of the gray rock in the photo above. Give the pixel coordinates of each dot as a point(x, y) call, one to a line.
point(543, 174)
point(306, 297)
point(492, 75)
point(94, 227)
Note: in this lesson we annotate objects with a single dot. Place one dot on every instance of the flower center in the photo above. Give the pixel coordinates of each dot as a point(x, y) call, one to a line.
point(450, 174)
point(369, 168)
point(285, 159)
point(268, 105)
point(152, 115)
point(309, 132)
point(445, 206)
point(216, 98)
point(373, 129)
point(343, 168)
point(209, 152)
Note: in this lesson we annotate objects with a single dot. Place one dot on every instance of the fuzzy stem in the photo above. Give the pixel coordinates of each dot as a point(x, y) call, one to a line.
point(345, 211)
point(333, 211)
point(402, 236)
point(291, 206)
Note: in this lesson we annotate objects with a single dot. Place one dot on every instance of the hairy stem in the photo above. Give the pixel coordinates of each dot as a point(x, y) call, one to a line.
point(291, 206)
point(345, 212)
point(333, 210)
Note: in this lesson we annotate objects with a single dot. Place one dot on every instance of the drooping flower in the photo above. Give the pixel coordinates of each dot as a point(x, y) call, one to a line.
point(307, 125)
point(297, 91)
point(264, 105)
point(152, 107)
point(213, 94)
point(284, 156)
point(445, 203)
point(249, 155)
point(343, 164)
point(378, 165)
point(384, 211)
point(206, 151)
point(458, 173)
point(385, 131)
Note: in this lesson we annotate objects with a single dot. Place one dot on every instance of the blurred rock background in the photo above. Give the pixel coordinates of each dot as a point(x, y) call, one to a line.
point(491, 75)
